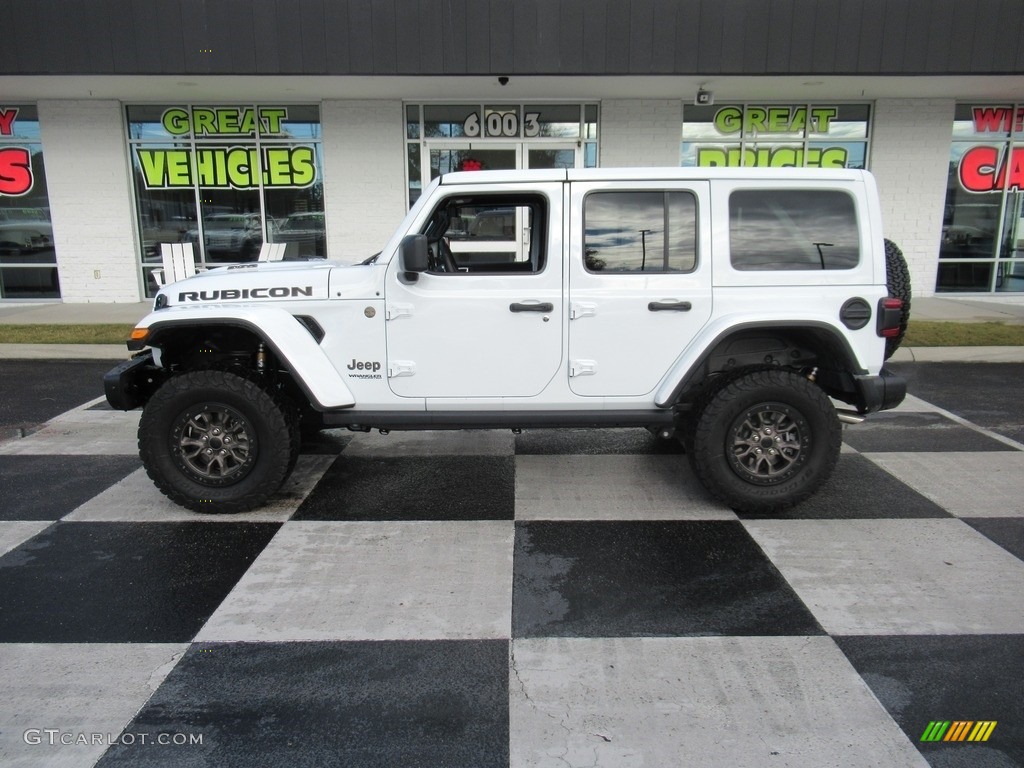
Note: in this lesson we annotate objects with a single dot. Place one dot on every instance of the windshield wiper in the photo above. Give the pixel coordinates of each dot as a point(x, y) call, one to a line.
point(371, 260)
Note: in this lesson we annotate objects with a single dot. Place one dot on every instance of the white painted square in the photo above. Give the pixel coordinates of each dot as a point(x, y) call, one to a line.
point(712, 701)
point(78, 690)
point(965, 484)
point(15, 533)
point(612, 488)
point(897, 577)
point(81, 431)
point(137, 500)
point(374, 581)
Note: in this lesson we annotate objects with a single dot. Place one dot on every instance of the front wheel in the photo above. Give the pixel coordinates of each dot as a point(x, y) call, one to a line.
point(214, 441)
point(765, 441)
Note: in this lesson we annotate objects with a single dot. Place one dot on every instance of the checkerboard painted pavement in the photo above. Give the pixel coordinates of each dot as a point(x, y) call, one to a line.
point(491, 599)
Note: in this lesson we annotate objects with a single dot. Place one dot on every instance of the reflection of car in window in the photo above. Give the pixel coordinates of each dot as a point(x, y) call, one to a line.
point(306, 230)
point(229, 236)
point(24, 231)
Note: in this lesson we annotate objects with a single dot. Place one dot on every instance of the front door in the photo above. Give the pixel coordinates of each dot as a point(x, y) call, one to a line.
point(486, 321)
point(639, 283)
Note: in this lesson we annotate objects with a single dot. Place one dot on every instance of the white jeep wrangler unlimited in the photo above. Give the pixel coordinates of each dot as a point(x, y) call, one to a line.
point(727, 308)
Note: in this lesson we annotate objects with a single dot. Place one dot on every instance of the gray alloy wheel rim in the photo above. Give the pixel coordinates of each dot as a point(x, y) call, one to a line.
point(215, 444)
point(766, 443)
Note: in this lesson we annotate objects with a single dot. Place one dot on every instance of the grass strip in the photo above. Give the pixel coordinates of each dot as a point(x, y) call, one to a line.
point(90, 333)
point(940, 334)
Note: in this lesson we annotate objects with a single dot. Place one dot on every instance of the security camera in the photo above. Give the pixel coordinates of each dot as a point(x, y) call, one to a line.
point(502, 80)
point(704, 98)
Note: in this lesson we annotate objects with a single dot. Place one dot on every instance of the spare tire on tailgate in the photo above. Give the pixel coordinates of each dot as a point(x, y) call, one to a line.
point(897, 280)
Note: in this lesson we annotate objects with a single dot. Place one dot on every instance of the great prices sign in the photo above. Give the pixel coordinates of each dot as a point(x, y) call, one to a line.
point(15, 162)
point(226, 166)
point(993, 168)
point(768, 124)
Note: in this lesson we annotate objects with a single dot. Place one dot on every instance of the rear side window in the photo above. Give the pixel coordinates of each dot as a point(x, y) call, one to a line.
point(640, 232)
point(787, 229)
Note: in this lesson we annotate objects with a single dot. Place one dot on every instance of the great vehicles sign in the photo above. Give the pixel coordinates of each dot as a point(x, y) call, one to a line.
point(227, 165)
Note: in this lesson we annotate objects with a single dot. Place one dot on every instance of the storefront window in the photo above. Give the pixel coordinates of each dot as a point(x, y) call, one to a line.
point(982, 246)
point(776, 135)
point(444, 138)
point(28, 262)
point(227, 178)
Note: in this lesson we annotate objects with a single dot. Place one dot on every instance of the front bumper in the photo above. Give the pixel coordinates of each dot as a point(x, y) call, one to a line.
point(881, 392)
point(130, 384)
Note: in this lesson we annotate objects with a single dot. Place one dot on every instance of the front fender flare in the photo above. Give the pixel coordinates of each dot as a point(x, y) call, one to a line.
point(285, 336)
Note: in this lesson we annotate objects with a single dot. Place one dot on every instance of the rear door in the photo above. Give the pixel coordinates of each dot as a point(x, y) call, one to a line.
point(639, 282)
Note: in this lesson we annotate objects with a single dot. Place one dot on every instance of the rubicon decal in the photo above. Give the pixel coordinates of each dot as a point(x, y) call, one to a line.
point(233, 294)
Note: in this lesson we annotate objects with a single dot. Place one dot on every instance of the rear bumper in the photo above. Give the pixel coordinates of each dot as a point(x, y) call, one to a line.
point(881, 392)
point(130, 384)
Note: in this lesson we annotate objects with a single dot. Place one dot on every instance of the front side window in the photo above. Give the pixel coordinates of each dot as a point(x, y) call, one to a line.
point(488, 234)
point(780, 229)
point(640, 232)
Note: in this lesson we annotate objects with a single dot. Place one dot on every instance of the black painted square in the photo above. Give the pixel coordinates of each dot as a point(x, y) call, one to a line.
point(927, 431)
point(649, 579)
point(1007, 532)
point(964, 677)
point(360, 704)
point(858, 489)
point(414, 488)
point(123, 582)
point(49, 487)
point(586, 442)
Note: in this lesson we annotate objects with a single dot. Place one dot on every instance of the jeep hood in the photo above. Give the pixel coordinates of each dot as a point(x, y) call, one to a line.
point(272, 281)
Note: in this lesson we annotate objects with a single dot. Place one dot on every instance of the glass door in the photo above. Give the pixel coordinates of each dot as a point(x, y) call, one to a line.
point(545, 155)
point(450, 157)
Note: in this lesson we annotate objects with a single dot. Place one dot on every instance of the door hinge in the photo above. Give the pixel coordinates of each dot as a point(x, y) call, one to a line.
point(582, 368)
point(578, 309)
point(398, 310)
point(399, 368)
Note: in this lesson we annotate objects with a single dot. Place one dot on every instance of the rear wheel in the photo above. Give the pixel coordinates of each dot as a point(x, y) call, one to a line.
point(765, 440)
point(215, 441)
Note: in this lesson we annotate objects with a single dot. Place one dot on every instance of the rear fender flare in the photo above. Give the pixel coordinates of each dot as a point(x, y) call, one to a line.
point(682, 374)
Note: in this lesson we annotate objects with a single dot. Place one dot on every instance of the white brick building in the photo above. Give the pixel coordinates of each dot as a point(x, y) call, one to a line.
point(134, 144)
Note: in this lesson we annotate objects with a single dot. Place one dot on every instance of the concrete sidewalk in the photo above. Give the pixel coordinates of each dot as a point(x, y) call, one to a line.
point(959, 310)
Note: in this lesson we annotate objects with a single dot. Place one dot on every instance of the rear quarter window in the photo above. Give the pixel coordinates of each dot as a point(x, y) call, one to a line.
point(787, 229)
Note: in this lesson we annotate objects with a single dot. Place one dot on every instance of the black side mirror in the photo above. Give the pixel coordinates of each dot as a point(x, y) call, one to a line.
point(413, 257)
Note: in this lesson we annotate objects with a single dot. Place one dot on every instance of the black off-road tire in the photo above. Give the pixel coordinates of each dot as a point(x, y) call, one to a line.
point(747, 419)
point(897, 280)
point(218, 442)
